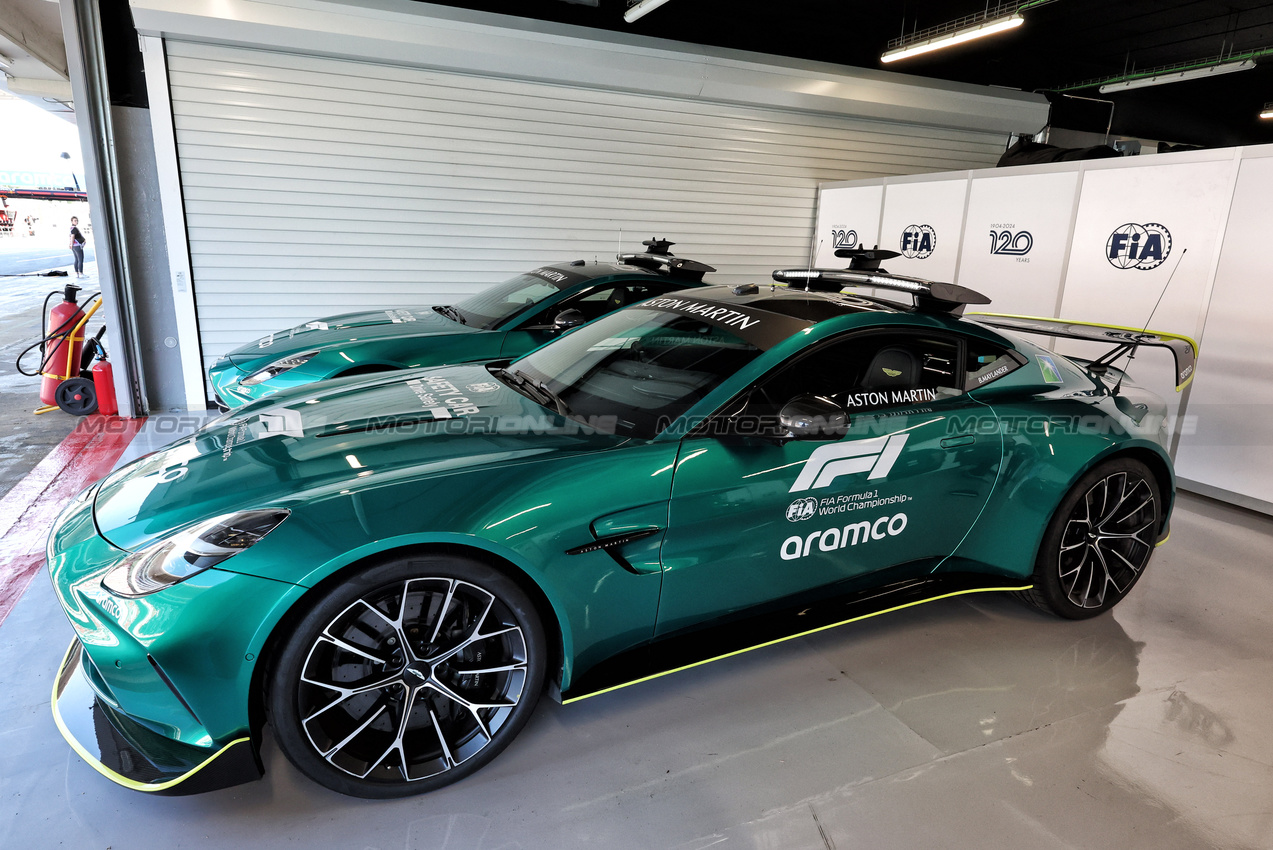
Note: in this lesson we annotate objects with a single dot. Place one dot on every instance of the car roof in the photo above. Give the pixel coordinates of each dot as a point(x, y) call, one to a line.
point(767, 314)
point(657, 262)
point(592, 270)
point(811, 306)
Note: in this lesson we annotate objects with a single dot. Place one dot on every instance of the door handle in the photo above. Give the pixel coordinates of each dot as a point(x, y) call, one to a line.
point(956, 442)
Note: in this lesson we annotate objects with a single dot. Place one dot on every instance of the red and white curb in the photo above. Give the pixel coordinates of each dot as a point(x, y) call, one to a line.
point(28, 510)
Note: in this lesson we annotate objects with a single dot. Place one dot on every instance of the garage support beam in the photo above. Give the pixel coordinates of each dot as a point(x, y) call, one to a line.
point(87, 69)
point(174, 219)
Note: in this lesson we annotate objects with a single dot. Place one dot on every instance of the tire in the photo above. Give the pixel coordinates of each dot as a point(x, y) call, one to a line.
point(382, 690)
point(1098, 542)
point(76, 396)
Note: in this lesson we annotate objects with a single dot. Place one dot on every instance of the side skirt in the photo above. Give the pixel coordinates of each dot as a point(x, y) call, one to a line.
point(702, 646)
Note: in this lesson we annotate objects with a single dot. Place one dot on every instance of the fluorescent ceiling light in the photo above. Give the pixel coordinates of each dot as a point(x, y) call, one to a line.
point(959, 36)
point(1177, 76)
point(644, 7)
point(1267, 111)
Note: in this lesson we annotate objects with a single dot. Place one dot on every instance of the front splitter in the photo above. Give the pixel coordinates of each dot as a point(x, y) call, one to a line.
point(131, 755)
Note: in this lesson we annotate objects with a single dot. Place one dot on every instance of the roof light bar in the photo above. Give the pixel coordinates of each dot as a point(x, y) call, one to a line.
point(937, 40)
point(1178, 76)
point(1267, 111)
point(930, 295)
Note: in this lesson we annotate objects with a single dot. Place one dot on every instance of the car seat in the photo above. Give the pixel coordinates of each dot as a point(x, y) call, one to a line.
point(892, 368)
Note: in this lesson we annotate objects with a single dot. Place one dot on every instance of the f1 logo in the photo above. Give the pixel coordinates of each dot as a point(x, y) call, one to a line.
point(286, 422)
point(827, 463)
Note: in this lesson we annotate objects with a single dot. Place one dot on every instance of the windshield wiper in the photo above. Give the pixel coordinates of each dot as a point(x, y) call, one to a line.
point(532, 389)
point(451, 313)
point(551, 396)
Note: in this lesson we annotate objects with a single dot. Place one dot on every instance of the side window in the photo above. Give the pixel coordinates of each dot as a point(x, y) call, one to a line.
point(597, 302)
point(985, 363)
point(593, 302)
point(873, 372)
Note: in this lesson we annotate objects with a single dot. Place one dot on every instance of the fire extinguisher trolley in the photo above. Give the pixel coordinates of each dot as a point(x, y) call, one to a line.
point(66, 381)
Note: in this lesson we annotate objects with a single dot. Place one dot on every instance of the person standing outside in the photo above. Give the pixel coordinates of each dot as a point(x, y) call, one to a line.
point(77, 246)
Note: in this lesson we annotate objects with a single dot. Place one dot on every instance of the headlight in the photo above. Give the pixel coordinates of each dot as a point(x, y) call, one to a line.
point(190, 552)
point(278, 367)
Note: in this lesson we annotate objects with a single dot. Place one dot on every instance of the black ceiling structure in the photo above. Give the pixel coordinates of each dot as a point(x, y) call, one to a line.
point(1061, 43)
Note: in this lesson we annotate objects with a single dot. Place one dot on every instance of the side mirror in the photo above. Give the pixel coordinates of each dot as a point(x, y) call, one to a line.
point(811, 417)
point(568, 320)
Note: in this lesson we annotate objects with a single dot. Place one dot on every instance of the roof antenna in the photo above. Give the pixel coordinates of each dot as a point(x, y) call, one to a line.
point(1132, 354)
point(813, 253)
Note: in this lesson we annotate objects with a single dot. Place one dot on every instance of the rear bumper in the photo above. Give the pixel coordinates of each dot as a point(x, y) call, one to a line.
point(124, 751)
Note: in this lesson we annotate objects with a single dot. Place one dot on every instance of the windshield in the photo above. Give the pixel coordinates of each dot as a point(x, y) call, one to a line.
point(640, 369)
point(490, 307)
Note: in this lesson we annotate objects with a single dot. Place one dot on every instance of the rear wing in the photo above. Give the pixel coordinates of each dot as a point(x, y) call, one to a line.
point(1183, 349)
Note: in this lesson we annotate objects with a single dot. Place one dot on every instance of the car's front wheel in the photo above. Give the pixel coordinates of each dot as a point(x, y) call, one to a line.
point(407, 677)
point(1099, 541)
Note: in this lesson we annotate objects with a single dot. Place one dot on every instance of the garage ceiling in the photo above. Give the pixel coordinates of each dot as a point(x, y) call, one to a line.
point(1061, 43)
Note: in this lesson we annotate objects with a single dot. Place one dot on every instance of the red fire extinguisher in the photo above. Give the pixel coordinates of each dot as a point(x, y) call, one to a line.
point(104, 383)
point(62, 356)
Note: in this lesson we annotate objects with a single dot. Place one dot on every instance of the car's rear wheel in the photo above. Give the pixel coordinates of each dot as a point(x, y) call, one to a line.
point(1099, 541)
point(408, 677)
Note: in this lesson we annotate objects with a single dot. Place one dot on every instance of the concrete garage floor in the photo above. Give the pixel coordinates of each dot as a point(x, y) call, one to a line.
point(970, 722)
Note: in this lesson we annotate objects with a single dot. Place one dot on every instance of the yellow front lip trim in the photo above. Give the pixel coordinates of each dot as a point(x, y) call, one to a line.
point(793, 637)
point(106, 771)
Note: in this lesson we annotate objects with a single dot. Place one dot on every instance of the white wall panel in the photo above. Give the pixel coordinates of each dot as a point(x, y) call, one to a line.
point(1016, 240)
point(1230, 447)
point(315, 185)
point(931, 216)
point(847, 218)
point(1214, 204)
point(1190, 201)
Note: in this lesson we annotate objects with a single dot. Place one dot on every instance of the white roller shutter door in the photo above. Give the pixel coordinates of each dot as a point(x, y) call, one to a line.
point(315, 186)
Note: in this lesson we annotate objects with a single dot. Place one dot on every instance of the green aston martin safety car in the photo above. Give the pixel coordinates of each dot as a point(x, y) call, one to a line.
point(506, 320)
point(389, 570)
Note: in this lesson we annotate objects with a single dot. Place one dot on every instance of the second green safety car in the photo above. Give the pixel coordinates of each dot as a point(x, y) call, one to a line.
point(505, 320)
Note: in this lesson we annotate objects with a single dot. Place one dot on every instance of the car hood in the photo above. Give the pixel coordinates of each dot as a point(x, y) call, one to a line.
point(343, 329)
point(332, 441)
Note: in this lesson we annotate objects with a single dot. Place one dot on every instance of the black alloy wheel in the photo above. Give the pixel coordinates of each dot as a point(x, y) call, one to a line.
point(1099, 541)
point(408, 677)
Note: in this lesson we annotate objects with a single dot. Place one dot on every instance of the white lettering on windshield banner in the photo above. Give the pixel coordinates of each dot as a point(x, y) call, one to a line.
point(713, 312)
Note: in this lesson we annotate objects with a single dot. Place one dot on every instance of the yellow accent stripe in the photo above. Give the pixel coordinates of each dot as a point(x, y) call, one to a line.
point(106, 771)
point(1162, 334)
point(793, 637)
point(1164, 540)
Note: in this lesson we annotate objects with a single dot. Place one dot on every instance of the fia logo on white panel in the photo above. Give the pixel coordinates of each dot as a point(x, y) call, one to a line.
point(1138, 246)
point(918, 241)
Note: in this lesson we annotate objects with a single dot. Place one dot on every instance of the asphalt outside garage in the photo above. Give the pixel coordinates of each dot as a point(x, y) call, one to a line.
point(24, 437)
